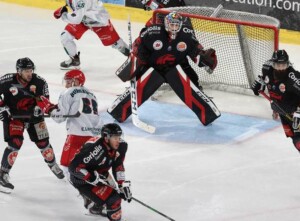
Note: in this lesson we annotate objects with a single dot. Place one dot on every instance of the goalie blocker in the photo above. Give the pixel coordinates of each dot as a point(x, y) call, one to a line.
point(179, 81)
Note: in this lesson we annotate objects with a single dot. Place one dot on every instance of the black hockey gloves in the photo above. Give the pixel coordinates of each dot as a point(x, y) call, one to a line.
point(125, 191)
point(296, 119)
point(58, 12)
point(258, 85)
point(4, 111)
point(209, 58)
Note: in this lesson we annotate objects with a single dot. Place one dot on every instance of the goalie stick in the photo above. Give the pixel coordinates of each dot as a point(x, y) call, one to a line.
point(134, 105)
point(279, 109)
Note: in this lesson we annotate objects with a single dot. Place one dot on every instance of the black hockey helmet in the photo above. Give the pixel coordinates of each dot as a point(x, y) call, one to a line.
point(111, 129)
point(24, 63)
point(280, 56)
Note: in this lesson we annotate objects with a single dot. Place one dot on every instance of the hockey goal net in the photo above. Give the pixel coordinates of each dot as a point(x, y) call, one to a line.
point(243, 42)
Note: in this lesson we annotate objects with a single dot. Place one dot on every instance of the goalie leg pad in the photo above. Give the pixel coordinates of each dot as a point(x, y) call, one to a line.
point(147, 84)
point(194, 98)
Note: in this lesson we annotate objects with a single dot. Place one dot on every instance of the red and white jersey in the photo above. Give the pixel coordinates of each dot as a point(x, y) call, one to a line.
point(89, 122)
point(89, 12)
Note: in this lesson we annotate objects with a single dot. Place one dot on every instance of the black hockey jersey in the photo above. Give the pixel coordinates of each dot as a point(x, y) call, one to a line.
point(157, 50)
point(96, 155)
point(285, 91)
point(20, 98)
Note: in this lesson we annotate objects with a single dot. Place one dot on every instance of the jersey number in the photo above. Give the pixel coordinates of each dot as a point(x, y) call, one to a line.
point(89, 106)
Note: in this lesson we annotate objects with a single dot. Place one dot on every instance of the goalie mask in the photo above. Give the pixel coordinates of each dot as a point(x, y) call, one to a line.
point(281, 62)
point(74, 78)
point(173, 24)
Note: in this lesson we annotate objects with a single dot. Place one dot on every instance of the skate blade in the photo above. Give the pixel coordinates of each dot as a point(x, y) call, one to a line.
point(5, 190)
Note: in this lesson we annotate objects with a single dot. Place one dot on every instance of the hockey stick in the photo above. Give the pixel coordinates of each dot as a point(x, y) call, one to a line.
point(113, 186)
point(48, 116)
point(280, 110)
point(21, 88)
point(134, 105)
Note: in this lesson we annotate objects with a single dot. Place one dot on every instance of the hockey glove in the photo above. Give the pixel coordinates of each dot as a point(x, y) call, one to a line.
point(4, 113)
point(149, 4)
point(125, 191)
point(258, 85)
point(45, 104)
point(58, 12)
point(209, 58)
point(98, 179)
point(296, 119)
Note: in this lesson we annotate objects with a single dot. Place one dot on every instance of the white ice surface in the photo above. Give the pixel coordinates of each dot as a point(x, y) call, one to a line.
point(255, 177)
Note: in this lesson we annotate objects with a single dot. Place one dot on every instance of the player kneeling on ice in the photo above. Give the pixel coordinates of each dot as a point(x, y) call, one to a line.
point(79, 107)
point(19, 110)
point(162, 53)
point(89, 171)
point(283, 83)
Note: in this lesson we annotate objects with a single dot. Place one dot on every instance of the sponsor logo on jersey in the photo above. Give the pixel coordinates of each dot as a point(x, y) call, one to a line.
point(13, 91)
point(282, 88)
point(102, 162)
point(267, 79)
point(169, 48)
point(151, 29)
point(32, 89)
point(93, 154)
point(187, 30)
point(181, 46)
point(294, 78)
point(157, 45)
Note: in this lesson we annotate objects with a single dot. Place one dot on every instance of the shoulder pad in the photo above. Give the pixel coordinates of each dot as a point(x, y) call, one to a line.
point(153, 29)
point(6, 78)
point(187, 30)
point(39, 77)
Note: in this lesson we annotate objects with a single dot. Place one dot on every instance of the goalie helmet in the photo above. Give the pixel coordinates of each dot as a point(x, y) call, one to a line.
point(111, 129)
point(75, 74)
point(173, 23)
point(24, 63)
point(280, 56)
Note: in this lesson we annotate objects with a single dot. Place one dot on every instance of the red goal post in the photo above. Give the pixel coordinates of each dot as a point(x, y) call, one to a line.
point(243, 42)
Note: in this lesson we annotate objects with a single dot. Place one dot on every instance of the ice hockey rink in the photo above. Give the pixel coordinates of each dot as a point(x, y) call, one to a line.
point(241, 168)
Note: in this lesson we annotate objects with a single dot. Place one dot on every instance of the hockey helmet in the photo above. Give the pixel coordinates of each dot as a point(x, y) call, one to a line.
point(280, 56)
point(75, 74)
point(24, 63)
point(173, 23)
point(111, 129)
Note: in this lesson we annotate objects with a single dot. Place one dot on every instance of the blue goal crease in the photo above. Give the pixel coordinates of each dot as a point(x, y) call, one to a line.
point(177, 123)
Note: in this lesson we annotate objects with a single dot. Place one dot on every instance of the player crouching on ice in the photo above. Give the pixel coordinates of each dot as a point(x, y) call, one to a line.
point(89, 172)
point(162, 52)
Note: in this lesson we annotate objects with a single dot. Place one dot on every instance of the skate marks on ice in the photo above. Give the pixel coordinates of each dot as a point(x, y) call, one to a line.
point(177, 123)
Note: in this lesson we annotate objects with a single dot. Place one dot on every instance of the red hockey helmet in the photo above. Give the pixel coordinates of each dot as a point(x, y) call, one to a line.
point(75, 74)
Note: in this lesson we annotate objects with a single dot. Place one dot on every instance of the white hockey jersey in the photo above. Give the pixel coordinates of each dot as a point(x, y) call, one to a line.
point(90, 12)
point(89, 122)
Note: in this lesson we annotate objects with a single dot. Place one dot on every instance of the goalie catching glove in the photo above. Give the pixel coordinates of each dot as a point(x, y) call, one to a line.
point(209, 59)
point(58, 12)
point(125, 191)
point(258, 85)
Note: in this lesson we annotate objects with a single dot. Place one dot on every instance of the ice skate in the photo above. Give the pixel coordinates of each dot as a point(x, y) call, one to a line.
point(57, 171)
point(72, 63)
point(5, 185)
